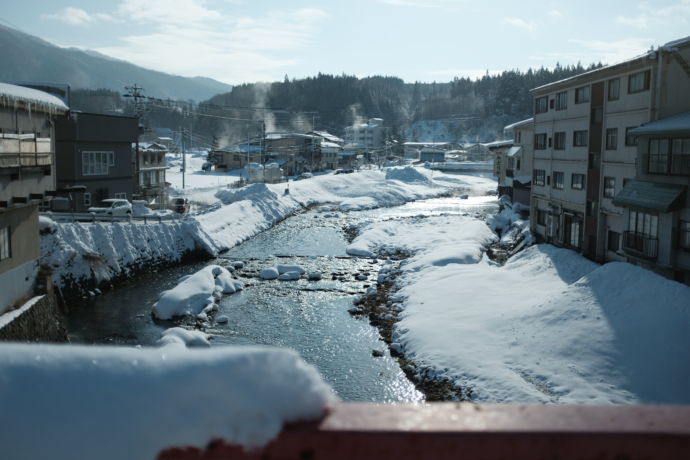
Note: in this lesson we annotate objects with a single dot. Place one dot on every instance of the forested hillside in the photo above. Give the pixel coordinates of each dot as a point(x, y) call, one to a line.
point(467, 109)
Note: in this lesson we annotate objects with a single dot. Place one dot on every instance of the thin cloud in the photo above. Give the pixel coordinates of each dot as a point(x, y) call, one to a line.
point(77, 16)
point(520, 23)
point(650, 16)
point(422, 3)
point(231, 49)
point(555, 14)
point(612, 52)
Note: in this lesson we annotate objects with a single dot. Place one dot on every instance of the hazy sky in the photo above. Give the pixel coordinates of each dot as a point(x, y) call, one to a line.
point(237, 41)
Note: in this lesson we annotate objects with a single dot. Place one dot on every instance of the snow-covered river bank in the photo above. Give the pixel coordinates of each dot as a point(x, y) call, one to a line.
point(309, 316)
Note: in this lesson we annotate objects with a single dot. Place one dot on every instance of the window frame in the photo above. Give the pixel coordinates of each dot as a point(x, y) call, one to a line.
point(538, 104)
point(645, 76)
point(540, 141)
point(609, 187)
point(580, 138)
point(558, 180)
point(617, 237)
point(539, 177)
point(562, 100)
point(581, 182)
point(684, 235)
point(559, 140)
point(631, 140)
point(5, 243)
point(611, 141)
point(583, 94)
point(613, 95)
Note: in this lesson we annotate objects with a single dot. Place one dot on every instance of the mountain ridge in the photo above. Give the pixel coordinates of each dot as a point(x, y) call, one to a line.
point(26, 57)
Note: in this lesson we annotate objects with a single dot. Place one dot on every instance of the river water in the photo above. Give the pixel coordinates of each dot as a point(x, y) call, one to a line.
point(308, 316)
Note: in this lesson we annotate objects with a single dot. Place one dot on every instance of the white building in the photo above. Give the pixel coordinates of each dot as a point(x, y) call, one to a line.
point(366, 136)
point(585, 151)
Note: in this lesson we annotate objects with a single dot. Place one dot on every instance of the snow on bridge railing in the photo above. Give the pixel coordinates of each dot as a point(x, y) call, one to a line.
point(471, 431)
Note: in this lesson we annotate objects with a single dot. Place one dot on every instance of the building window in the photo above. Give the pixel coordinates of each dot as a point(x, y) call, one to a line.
point(609, 187)
point(5, 243)
point(684, 235)
point(541, 217)
point(540, 141)
point(577, 181)
point(559, 140)
point(518, 136)
point(558, 180)
point(614, 91)
point(572, 230)
point(582, 95)
point(87, 198)
point(614, 241)
point(562, 100)
point(541, 104)
point(630, 139)
point(643, 223)
point(638, 82)
point(539, 177)
point(580, 138)
point(96, 163)
point(121, 196)
point(658, 156)
point(611, 138)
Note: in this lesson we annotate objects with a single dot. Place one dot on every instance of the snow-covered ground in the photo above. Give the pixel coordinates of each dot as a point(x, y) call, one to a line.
point(66, 402)
point(548, 326)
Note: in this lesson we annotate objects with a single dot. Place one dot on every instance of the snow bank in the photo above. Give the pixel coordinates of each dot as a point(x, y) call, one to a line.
point(66, 402)
point(195, 294)
point(103, 251)
point(12, 94)
point(245, 212)
point(436, 241)
point(548, 326)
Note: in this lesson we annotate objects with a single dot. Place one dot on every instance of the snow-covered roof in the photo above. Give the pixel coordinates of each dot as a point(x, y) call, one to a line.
point(677, 124)
point(330, 144)
point(330, 137)
point(519, 124)
point(514, 150)
point(497, 144)
point(10, 95)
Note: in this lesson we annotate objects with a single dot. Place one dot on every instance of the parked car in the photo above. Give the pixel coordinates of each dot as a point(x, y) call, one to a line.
point(344, 171)
point(304, 175)
point(180, 205)
point(112, 207)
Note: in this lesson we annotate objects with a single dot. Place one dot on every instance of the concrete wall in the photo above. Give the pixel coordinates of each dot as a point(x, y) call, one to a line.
point(39, 320)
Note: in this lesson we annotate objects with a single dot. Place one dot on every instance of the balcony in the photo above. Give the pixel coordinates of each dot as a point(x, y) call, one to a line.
point(640, 245)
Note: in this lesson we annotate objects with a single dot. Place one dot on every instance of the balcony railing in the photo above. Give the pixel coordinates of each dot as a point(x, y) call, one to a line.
point(675, 165)
point(640, 245)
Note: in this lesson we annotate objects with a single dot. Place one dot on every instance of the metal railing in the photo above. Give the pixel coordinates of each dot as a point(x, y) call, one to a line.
point(640, 245)
point(93, 217)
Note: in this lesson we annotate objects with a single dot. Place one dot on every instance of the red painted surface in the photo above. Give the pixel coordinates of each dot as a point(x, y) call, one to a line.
point(469, 431)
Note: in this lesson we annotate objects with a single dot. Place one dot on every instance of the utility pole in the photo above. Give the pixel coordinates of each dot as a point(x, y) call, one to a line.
point(136, 92)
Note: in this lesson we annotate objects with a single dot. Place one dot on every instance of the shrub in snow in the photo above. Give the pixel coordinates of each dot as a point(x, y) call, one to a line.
point(289, 276)
point(290, 268)
point(270, 273)
point(182, 337)
point(222, 319)
point(314, 276)
point(195, 293)
point(112, 403)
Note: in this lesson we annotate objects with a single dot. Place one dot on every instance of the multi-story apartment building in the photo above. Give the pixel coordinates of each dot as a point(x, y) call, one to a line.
point(585, 149)
point(27, 180)
point(366, 136)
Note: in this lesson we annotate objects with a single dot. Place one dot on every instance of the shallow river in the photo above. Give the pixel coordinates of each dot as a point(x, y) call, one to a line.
point(308, 316)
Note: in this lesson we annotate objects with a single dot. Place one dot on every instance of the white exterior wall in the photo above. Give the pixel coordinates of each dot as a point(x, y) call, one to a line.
point(17, 283)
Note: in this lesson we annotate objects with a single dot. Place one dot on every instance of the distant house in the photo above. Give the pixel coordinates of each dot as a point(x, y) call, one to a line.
point(412, 150)
point(498, 149)
point(27, 181)
point(366, 136)
point(432, 155)
point(235, 157)
point(149, 176)
point(94, 158)
point(514, 166)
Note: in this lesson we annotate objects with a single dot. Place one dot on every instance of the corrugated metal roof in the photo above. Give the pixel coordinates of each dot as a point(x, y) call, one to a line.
point(514, 150)
point(651, 196)
point(677, 124)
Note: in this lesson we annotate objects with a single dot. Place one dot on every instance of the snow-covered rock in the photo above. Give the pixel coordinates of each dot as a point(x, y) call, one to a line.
point(289, 276)
point(195, 293)
point(183, 337)
point(290, 268)
point(270, 273)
